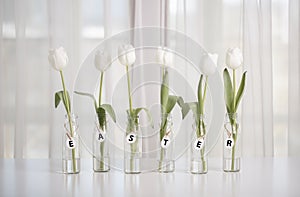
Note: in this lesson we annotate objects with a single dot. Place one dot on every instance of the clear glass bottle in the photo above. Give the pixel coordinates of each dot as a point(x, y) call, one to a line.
point(198, 152)
point(132, 146)
point(101, 160)
point(70, 146)
point(231, 144)
point(166, 161)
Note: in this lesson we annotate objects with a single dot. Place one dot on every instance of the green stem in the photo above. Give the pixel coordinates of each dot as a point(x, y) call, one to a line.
point(234, 89)
point(129, 90)
point(234, 136)
point(102, 123)
point(202, 132)
point(69, 117)
point(162, 134)
point(233, 123)
point(132, 146)
point(100, 90)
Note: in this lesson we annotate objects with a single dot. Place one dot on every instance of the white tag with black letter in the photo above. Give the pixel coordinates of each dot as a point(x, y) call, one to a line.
point(101, 136)
point(70, 143)
point(229, 142)
point(199, 143)
point(165, 142)
point(131, 138)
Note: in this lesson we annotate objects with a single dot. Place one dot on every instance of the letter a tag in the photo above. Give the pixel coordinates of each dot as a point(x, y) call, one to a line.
point(100, 136)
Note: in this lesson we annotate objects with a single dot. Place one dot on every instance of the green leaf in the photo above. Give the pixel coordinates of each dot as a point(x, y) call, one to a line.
point(193, 106)
point(101, 116)
point(172, 100)
point(88, 95)
point(108, 108)
point(138, 110)
point(180, 101)
point(185, 108)
point(59, 96)
point(164, 91)
point(200, 97)
point(240, 91)
point(228, 91)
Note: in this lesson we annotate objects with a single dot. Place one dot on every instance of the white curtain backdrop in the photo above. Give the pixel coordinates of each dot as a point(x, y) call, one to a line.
point(30, 127)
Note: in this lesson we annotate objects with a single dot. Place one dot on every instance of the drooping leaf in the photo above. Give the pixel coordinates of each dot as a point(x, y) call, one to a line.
point(240, 91)
point(88, 95)
point(180, 101)
point(138, 110)
point(172, 100)
point(164, 91)
point(59, 96)
point(185, 110)
point(108, 108)
point(228, 91)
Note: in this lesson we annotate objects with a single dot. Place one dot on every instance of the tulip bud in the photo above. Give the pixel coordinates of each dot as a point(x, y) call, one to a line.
point(164, 57)
point(208, 64)
point(126, 54)
point(234, 58)
point(102, 60)
point(58, 58)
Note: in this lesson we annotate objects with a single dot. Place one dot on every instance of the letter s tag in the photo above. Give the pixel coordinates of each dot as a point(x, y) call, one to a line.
point(70, 143)
point(229, 142)
point(165, 142)
point(131, 138)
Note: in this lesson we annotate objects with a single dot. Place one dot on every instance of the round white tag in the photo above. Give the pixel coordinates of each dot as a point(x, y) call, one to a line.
point(70, 143)
point(229, 142)
point(131, 138)
point(165, 142)
point(199, 143)
point(100, 136)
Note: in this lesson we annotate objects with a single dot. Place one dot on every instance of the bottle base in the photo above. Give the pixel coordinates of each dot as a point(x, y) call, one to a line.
point(101, 164)
point(166, 166)
point(227, 165)
point(198, 167)
point(70, 167)
point(132, 166)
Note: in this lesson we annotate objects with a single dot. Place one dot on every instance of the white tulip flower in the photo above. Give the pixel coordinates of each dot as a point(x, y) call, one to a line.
point(126, 54)
point(164, 56)
point(58, 58)
point(208, 64)
point(234, 58)
point(102, 60)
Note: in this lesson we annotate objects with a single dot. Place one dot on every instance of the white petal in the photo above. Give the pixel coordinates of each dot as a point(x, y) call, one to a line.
point(234, 58)
point(58, 58)
point(208, 64)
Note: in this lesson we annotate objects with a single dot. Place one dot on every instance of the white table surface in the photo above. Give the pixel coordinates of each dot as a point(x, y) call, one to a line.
point(258, 177)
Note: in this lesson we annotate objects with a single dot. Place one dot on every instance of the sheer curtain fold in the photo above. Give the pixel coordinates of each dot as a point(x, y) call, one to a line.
point(294, 79)
point(257, 116)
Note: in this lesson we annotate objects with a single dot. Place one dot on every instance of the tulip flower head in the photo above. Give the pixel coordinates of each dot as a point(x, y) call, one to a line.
point(164, 56)
point(126, 53)
point(234, 58)
point(58, 58)
point(208, 64)
point(102, 60)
